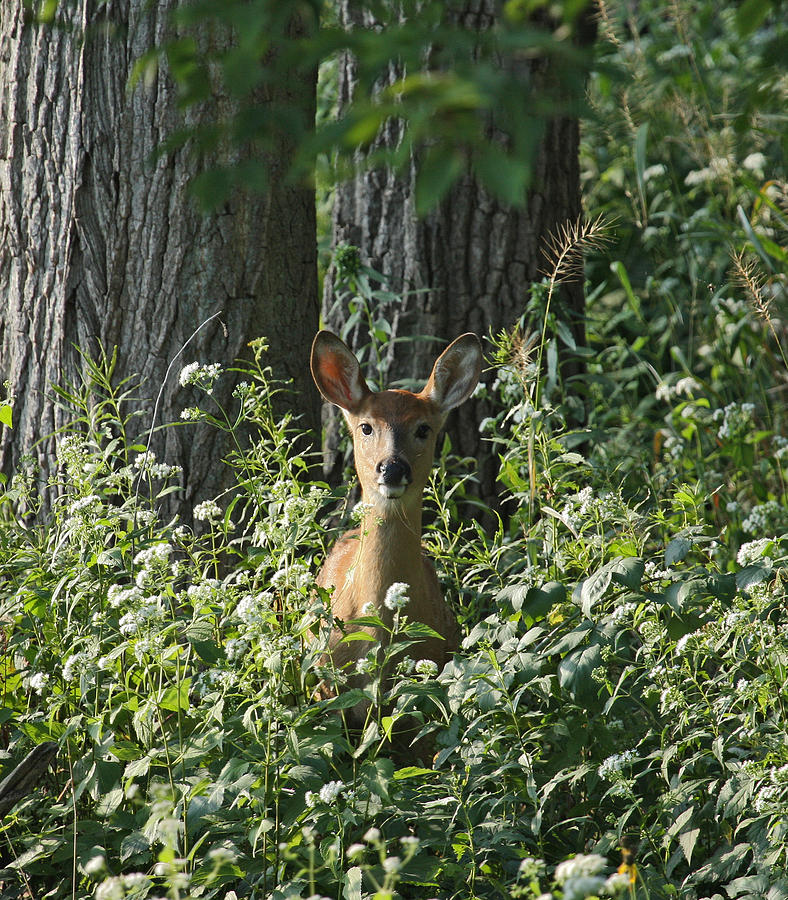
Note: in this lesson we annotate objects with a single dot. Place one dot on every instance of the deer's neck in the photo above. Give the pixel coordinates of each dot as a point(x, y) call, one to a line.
point(389, 552)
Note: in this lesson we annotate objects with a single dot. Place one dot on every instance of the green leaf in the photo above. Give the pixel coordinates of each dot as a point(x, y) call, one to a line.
point(503, 175)
point(176, 696)
point(593, 589)
point(137, 767)
point(750, 15)
point(133, 843)
point(751, 575)
point(437, 173)
point(539, 601)
point(628, 570)
point(574, 672)
point(618, 269)
point(677, 550)
point(6, 415)
point(352, 887)
point(412, 772)
point(358, 636)
point(208, 651)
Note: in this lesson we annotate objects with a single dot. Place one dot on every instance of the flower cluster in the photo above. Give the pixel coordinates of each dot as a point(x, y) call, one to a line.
point(614, 764)
point(755, 551)
point(426, 668)
point(581, 876)
point(118, 887)
point(737, 420)
point(207, 511)
point(396, 598)
point(766, 518)
point(147, 464)
point(153, 563)
point(253, 610)
point(150, 610)
point(327, 794)
point(202, 376)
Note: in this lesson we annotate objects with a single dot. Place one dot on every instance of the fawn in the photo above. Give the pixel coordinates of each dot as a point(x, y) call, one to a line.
point(394, 434)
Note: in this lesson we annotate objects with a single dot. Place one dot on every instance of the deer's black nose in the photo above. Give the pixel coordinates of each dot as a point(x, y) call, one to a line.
point(393, 471)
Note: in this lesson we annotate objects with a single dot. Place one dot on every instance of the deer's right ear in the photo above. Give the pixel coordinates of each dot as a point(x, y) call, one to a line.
point(337, 373)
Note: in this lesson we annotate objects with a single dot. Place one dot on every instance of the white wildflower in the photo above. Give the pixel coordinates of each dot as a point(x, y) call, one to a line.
point(392, 864)
point(654, 171)
point(203, 376)
point(235, 649)
point(765, 796)
point(372, 836)
point(754, 550)
point(686, 386)
point(737, 420)
point(365, 665)
point(698, 176)
point(765, 517)
point(111, 889)
point(613, 765)
point(579, 866)
point(355, 850)
point(397, 596)
point(583, 886)
point(755, 163)
point(74, 665)
point(38, 682)
point(663, 391)
point(330, 791)
point(155, 555)
point(207, 511)
point(426, 668)
point(616, 884)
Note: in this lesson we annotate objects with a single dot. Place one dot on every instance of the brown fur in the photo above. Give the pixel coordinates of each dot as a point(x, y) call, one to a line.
point(402, 426)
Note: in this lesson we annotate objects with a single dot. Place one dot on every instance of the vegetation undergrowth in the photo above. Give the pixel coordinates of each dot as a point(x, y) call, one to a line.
point(615, 721)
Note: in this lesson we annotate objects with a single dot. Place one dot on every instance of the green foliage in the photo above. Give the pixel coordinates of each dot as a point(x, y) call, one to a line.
point(614, 689)
point(245, 70)
point(615, 719)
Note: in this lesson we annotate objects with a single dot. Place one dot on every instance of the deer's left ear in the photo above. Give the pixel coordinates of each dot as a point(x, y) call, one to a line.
point(337, 373)
point(455, 373)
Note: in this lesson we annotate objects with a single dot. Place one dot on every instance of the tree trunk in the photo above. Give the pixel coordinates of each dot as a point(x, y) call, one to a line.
point(466, 266)
point(102, 245)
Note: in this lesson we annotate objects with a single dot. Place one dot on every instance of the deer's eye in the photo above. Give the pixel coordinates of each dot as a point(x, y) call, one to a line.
point(423, 431)
point(366, 429)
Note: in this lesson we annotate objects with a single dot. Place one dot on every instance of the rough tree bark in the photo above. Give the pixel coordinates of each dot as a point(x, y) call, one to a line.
point(466, 266)
point(100, 243)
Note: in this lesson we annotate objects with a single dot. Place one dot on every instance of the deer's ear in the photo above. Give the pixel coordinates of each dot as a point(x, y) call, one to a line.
point(455, 373)
point(337, 373)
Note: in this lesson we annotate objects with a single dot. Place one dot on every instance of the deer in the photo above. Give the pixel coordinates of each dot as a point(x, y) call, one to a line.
point(394, 433)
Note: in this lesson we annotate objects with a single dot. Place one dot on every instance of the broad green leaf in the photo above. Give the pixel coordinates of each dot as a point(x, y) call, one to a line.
point(352, 887)
point(593, 589)
point(176, 696)
point(133, 843)
point(6, 415)
point(574, 672)
point(751, 13)
point(677, 550)
point(628, 570)
point(437, 172)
